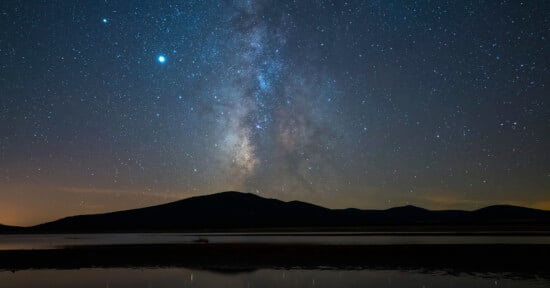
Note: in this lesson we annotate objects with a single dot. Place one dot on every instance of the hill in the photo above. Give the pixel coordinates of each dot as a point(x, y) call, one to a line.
point(244, 211)
point(9, 229)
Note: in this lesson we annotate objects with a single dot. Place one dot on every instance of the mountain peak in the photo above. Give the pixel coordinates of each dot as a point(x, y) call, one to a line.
point(508, 209)
point(229, 194)
point(408, 208)
point(504, 207)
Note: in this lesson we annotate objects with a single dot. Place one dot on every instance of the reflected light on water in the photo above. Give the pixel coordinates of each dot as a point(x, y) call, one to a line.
point(181, 277)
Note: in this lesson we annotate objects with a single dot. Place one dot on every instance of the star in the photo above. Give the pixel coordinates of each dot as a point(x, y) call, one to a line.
point(274, 97)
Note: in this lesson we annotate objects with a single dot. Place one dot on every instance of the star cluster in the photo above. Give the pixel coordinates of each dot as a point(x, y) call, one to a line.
point(369, 104)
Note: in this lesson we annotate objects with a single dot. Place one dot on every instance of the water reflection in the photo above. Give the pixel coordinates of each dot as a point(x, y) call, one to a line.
point(181, 277)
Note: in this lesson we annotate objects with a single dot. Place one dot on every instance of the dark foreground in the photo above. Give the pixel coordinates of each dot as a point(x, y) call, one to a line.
point(516, 259)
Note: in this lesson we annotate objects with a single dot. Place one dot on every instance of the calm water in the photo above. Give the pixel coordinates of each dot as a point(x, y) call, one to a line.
point(54, 241)
point(184, 277)
point(180, 277)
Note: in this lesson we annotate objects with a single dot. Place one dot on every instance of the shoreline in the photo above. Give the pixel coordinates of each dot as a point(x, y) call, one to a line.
point(521, 259)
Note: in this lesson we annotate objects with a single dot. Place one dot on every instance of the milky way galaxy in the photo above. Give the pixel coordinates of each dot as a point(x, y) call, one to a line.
point(370, 104)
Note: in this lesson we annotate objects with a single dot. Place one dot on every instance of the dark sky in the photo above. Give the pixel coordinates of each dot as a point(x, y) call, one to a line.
point(108, 105)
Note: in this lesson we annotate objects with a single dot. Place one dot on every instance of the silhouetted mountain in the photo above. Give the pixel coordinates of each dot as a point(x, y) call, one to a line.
point(8, 229)
point(235, 210)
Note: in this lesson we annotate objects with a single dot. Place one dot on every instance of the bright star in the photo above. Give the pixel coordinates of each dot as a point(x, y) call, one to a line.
point(104, 20)
point(161, 59)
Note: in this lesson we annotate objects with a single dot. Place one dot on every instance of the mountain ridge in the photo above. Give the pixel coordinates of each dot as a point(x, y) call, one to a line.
point(232, 210)
point(8, 228)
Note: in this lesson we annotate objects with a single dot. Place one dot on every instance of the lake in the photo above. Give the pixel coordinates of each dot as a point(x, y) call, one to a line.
point(182, 277)
point(274, 260)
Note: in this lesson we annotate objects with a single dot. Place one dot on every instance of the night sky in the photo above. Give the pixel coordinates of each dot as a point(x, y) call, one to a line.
point(108, 105)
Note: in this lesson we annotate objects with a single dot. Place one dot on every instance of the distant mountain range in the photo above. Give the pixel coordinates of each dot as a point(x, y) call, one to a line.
point(231, 211)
